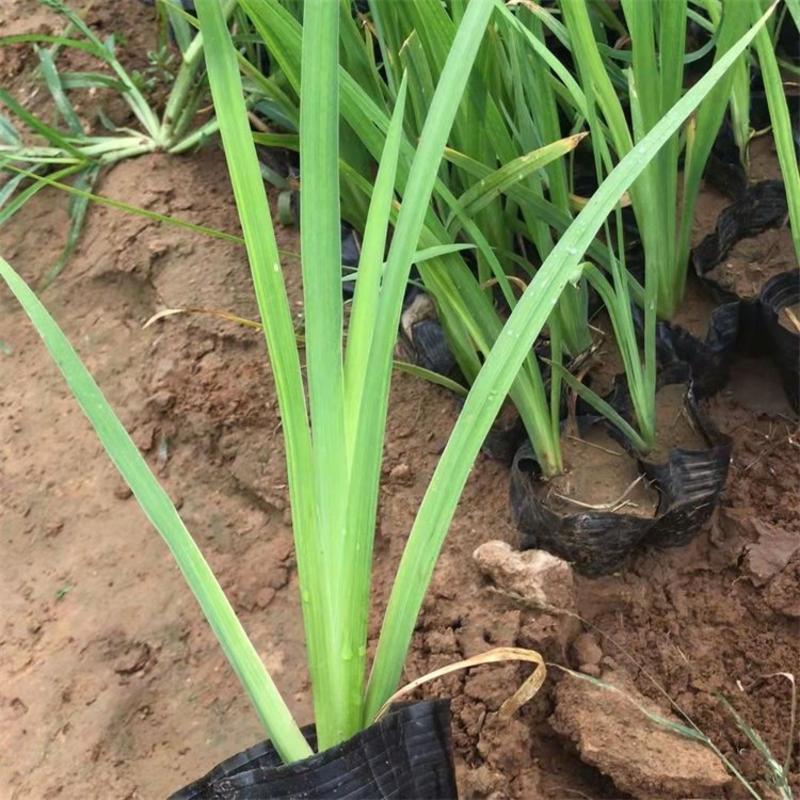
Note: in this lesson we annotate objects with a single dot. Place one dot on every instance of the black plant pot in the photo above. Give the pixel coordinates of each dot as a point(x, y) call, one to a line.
point(748, 325)
point(405, 755)
point(595, 542)
point(762, 206)
point(708, 359)
point(689, 483)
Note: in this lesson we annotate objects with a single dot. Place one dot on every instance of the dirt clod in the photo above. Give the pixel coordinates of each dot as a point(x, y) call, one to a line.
point(542, 579)
point(771, 551)
point(588, 654)
point(641, 758)
point(401, 473)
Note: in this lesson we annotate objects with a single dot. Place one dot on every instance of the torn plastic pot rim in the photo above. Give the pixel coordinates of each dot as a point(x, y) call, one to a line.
point(709, 359)
point(761, 207)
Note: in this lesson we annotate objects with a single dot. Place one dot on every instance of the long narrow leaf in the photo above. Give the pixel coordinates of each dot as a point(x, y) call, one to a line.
point(370, 269)
point(338, 713)
point(251, 201)
point(52, 180)
point(362, 501)
point(78, 206)
point(53, 81)
point(781, 127)
point(487, 189)
point(51, 134)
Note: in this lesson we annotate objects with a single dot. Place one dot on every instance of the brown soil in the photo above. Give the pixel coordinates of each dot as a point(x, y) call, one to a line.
point(111, 684)
point(695, 309)
point(674, 424)
point(763, 159)
point(599, 474)
point(752, 262)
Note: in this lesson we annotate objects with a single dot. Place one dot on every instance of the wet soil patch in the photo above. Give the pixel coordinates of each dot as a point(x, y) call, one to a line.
point(674, 424)
point(598, 475)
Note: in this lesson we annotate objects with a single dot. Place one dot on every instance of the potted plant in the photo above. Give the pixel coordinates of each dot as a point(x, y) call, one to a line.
point(334, 429)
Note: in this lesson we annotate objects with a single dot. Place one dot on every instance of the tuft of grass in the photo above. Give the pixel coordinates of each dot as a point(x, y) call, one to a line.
point(69, 149)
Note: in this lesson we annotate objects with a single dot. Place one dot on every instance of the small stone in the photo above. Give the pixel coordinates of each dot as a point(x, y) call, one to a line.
point(264, 597)
point(481, 782)
point(609, 663)
point(121, 490)
point(542, 579)
point(783, 594)
point(144, 437)
point(771, 552)
point(401, 473)
point(138, 656)
point(157, 247)
point(587, 651)
point(163, 369)
point(54, 529)
point(162, 400)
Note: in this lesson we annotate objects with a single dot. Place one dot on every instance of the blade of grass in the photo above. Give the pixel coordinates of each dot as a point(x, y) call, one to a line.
point(431, 377)
point(493, 186)
point(52, 180)
point(58, 41)
point(53, 82)
point(9, 187)
point(775, 772)
point(78, 205)
point(251, 201)
point(34, 123)
point(364, 484)
point(370, 269)
point(8, 133)
point(320, 234)
point(19, 200)
point(104, 50)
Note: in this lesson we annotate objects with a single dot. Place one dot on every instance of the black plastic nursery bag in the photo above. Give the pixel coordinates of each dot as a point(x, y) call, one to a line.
point(404, 756)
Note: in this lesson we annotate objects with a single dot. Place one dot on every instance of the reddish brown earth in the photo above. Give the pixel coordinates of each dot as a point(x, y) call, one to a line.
point(111, 684)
